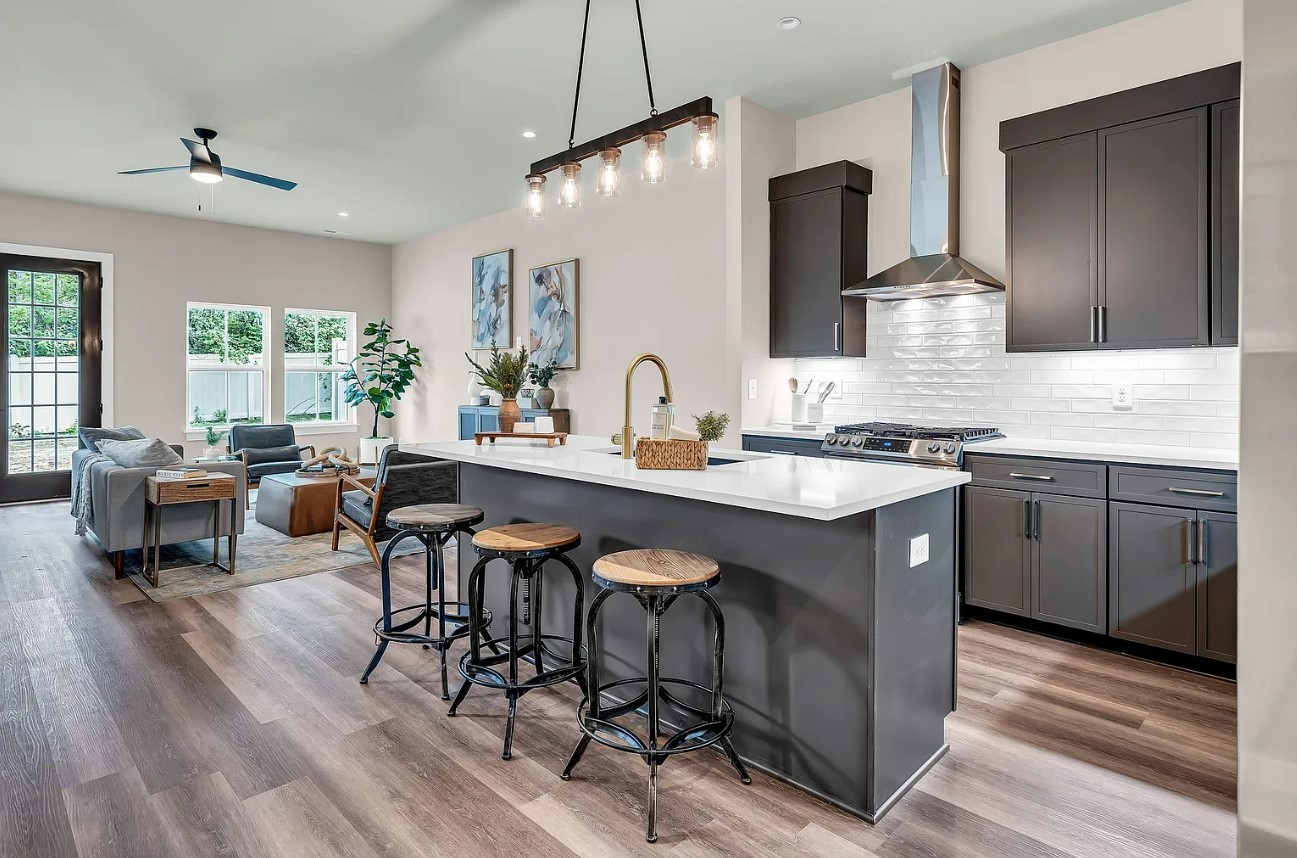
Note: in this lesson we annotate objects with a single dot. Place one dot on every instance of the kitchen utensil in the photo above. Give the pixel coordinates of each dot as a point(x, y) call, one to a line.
point(792, 385)
point(808, 387)
point(825, 391)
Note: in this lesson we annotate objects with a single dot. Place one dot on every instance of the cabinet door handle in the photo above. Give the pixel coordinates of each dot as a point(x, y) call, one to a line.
point(1038, 518)
point(1202, 542)
point(1189, 540)
point(1206, 493)
point(1044, 478)
point(1026, 519)
point(1094, 324)
point(837, 336)
point(1103, 323)
point(782, 452)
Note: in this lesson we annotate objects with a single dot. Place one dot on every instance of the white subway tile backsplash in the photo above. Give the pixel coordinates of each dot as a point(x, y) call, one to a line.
point(944, 360)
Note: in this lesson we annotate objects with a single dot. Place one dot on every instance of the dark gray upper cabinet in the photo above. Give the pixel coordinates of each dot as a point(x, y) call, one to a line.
point(1224, 222)
point(1217, 554)
point(1069, 577)
point(1122, 216)
point(1151, 595)
point(818, 233)
point(1052, 190)
point(1153, 233)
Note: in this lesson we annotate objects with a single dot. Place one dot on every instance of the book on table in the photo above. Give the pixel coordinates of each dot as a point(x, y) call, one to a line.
point(181, 473)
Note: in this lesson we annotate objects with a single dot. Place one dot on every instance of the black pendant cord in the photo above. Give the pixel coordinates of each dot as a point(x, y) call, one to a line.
point(580, 68)
point(648, 78)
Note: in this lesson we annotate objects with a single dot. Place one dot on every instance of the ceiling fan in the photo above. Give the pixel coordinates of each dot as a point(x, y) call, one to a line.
point(205, 165)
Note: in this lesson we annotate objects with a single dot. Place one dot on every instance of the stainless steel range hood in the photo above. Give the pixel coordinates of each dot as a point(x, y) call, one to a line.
point(934, 268)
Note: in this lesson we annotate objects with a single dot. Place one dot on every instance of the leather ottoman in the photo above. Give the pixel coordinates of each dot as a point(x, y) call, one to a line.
point(301, 506)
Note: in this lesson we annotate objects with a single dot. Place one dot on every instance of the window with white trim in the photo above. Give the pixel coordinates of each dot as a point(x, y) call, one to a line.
point(318, 344)
point(226, 365)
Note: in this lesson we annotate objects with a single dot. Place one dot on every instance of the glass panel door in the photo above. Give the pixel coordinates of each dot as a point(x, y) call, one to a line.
point(51, 381)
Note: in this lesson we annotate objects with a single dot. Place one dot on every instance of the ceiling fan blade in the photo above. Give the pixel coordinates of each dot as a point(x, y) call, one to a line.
point(152, 170)
point(282, 184)
point(198, 150)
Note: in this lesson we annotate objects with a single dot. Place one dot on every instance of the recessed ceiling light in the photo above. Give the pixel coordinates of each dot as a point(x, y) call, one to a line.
point(529, 134)
point(789, 23)
point(344, 214)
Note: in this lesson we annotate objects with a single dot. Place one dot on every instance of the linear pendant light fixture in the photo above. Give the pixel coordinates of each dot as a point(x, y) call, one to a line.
point(652, 132)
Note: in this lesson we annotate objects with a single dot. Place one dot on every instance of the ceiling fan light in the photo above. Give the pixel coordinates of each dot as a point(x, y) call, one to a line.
point(704, 150)
point(609, 181)
point(534, 202)
point(654, 168)
point(201, 171)
point(569, 193)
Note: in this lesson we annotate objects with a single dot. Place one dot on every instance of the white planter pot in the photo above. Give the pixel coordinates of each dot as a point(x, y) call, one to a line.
point(371, 449)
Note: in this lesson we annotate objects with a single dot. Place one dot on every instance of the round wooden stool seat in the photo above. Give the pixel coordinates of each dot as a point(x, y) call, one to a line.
point(525, 537)
point(434, 517)
point(647, 568)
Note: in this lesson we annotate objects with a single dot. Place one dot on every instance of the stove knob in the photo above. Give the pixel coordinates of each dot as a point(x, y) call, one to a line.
point(857, 441)
point(934, 447)
point(833, 439)
point(950, 449)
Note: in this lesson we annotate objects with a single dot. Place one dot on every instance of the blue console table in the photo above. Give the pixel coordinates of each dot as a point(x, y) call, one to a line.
point(486, 418)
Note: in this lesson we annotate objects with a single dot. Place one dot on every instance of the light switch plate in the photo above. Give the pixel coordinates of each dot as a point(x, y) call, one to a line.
point(752, 388)
point(919, 550)
point(1123, 396)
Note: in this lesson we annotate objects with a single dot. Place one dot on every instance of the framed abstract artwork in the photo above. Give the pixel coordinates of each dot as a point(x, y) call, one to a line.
point(492, 309)
point(552, 314)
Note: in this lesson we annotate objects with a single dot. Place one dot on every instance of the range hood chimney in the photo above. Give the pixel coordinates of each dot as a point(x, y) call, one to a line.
point(934, 268)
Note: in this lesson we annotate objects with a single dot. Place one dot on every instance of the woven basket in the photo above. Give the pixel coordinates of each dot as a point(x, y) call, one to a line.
point(670, 455)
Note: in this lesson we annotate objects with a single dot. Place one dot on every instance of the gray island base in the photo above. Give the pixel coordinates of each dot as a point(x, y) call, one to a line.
point(840, 656)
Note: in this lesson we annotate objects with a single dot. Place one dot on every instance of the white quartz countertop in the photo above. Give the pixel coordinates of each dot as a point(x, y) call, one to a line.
point(1102, 451)
point(824, 489)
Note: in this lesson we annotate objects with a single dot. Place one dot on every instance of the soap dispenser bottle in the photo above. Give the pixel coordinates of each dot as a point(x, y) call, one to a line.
point(660, 424)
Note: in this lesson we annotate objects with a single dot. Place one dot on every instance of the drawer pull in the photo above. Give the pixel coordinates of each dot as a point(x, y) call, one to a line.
point(1044, 478)
point(782, 452)
point(1205, 493)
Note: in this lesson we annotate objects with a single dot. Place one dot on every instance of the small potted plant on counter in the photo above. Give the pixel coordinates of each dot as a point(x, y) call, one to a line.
point(541, 376)
point(712, 426)
point(505, 374)
point(380, 374)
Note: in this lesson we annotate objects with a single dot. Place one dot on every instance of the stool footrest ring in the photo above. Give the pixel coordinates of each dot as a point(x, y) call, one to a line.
point(481, 671)
point(691, 737)
point(456, 612)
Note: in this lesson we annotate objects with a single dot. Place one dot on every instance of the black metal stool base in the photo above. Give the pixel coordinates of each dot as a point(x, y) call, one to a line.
point(478, 668)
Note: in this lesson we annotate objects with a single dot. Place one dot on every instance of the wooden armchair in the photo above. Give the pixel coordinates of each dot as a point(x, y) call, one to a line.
point(404, 479)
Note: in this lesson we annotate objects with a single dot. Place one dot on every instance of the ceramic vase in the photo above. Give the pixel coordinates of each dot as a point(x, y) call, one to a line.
point(545, 398)
point(510, 414)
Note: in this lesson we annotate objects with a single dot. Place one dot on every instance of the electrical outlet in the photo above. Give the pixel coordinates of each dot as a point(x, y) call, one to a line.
point(752, 388)
point(919, 550)
point(1123, 396)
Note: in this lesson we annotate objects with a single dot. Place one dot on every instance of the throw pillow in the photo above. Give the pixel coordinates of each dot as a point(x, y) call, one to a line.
point(141, 453)
point(92, 435)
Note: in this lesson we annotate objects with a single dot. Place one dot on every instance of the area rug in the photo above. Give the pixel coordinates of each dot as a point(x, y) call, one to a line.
point(263, 555)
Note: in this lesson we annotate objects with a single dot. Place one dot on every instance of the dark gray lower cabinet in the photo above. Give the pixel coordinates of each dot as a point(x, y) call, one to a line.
point(1151, 598)
point(997, 549)
point(1069, 570)
point(783, 446)
point(1037, 555)
point(1218, 585)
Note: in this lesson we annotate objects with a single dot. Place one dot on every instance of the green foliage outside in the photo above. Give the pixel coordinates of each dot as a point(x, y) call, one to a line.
point(56, 330)
point(312, 334)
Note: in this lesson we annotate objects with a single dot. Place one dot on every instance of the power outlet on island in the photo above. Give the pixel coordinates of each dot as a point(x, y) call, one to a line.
point(919, 550)
point(752, 388)
point(1123, 396)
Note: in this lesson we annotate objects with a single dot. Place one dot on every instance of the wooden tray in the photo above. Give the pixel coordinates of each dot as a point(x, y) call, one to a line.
point(549, 437)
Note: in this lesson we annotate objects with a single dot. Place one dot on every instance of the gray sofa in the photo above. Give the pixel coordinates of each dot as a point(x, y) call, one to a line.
point(117, 507)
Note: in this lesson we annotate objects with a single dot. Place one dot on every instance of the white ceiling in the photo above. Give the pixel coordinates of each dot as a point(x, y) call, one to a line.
point(408, 113)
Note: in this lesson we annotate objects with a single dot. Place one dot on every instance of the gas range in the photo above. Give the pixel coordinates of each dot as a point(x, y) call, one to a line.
point(905, 443)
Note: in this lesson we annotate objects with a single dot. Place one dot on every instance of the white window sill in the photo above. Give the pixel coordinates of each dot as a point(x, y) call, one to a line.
point(298, 429)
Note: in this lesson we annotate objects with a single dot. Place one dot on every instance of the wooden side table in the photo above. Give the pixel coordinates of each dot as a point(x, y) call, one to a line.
point(159, 493)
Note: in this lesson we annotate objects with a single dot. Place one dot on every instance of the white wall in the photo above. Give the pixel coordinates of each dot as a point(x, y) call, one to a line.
point(652, 280)
point(161, 263)
point(924, 365)
point(1267, 663)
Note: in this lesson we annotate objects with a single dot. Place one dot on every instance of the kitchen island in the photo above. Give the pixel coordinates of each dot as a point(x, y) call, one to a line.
point(840, 621)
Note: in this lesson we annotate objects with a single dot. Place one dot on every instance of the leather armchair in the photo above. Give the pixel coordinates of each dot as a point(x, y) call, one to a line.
point(404, 479)
point(268, 449)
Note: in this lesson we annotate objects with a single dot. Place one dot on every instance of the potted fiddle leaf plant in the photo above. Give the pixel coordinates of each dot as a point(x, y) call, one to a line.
point(505, 374)
point(380, 374)
point(541, 375)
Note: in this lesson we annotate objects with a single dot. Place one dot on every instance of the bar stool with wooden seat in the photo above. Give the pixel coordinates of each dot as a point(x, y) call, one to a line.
point(656, 578)
point(434, 525)
point(527, 547)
